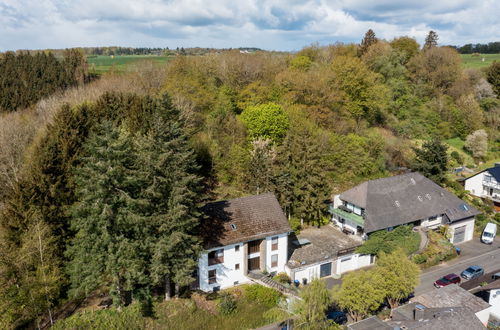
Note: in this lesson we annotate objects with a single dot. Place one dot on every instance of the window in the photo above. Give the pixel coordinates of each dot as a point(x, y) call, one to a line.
point(233, 226)
point(433, 218)
point(236, 248)
point(212, 276)
point(236, 282)
point(274, 260)
point(216, 257)
point(274, 243)
point(254, 246)
point(237, 266)
point(345, 259)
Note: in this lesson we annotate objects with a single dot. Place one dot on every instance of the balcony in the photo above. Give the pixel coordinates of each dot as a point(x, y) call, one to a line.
point(351, 217)
point(491, 184)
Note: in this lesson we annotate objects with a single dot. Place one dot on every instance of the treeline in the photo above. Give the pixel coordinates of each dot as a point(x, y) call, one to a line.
point(26, 78)
point(489, 48)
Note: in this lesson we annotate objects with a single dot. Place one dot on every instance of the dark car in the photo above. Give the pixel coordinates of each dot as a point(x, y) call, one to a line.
point(447, 280)
point(472, 272)
point(337, 317)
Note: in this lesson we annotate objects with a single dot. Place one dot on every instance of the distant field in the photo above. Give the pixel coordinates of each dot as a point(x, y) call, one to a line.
point(471, 61)
point(103, 63)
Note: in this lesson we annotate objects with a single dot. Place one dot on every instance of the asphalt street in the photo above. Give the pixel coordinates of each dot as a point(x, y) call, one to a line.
point(473, 253)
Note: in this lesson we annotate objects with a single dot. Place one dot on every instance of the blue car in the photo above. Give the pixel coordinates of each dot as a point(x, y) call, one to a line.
point(472, 272)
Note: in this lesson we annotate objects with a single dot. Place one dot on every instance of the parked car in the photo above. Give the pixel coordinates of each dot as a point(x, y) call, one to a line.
point(447, 280)
point(472, 272)
point(489, 233)
point(337, 317)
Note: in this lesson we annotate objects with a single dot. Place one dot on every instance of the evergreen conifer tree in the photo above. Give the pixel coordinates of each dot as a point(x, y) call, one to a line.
point(431, 40)
point(368, 40)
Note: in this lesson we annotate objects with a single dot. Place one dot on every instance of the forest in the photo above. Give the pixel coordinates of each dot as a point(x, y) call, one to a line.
point(103, 178)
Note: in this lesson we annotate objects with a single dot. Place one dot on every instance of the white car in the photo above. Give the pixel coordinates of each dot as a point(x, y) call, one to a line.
point(489, 233)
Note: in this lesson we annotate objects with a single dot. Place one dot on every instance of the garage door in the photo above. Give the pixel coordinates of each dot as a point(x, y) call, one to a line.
point(459, 234)
point(325, 270)
point(346, 264)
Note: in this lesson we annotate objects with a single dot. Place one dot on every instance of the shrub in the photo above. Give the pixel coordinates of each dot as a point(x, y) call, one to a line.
point(295, 224)
point(262, 295)
point(387, 241)
point(227, 303)
point(419, 259)
point(282, 278)
point(456, 156)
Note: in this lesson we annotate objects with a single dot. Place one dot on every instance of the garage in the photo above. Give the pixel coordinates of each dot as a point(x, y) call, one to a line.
point(346, 264)
point(325, 270)
point(459, 234)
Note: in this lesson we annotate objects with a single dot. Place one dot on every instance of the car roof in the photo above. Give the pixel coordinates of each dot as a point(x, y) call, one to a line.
point(452, 275)
point(490, 226)
point(474, 267)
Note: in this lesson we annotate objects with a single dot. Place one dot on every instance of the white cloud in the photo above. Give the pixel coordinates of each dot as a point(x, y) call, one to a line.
point(269, 24)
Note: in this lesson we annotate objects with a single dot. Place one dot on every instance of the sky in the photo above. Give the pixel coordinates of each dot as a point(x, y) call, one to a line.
point(268, 24)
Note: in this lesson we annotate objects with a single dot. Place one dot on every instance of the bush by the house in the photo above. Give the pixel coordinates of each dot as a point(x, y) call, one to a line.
point(227, 303)
point(438, 249)
point(387, 241)
point(262, 295)
point(282, 278)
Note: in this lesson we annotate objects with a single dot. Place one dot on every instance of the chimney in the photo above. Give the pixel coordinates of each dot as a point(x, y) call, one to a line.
point(419, 312)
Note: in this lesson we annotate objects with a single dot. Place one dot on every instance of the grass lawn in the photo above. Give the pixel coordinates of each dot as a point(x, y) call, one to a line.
point(470, 61)
point(103, 63)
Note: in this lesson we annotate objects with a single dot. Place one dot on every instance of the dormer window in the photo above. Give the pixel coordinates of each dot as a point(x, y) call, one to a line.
point(420, 198)
point(233, 226)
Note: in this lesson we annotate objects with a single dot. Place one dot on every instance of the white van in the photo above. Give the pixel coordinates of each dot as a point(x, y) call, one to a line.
point(489, 233)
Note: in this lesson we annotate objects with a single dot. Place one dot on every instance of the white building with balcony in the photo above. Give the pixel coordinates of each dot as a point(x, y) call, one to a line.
point(242, 235)
point(407, 199)
point(485, 184)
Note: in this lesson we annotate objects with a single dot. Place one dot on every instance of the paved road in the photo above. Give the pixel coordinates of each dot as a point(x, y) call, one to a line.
point(474, 253)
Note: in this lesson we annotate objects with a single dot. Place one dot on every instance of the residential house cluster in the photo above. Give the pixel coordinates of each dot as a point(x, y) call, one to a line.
point(252, 234)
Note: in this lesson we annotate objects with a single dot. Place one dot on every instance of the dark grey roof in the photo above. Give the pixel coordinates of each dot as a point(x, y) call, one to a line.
point(451, 296)
point(405, 198)
point(242, 219)
point(448, 318)
point(371, 323)
point(323, 244)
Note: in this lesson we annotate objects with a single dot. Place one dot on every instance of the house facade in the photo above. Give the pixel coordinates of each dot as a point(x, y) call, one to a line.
point(485, 184)
point(399, 200)
point(242, 235)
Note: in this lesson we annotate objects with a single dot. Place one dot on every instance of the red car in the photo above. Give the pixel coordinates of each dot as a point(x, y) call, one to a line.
point(447, 280)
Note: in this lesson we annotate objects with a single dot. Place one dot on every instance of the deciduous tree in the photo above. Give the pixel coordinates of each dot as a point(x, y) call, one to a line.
point(477, 143)
point(311, 309)
point(400, 276)
point(360, 293)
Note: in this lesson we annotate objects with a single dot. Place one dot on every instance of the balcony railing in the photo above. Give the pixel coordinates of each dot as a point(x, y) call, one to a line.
point(491, 184)
point(215, 261)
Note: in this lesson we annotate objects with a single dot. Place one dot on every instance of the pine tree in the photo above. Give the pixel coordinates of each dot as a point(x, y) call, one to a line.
point(432, 160)
point(172, 191)
point(300, 182)
point(368, 40)
point(110, 245)
point(431, 40)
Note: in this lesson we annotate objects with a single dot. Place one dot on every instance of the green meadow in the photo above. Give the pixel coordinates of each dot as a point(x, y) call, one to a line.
point(103, 63)
point(476, 61)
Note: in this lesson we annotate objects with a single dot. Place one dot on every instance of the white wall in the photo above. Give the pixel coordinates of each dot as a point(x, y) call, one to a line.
point(475, 184)
point(432, 223)
point(495, 303)
point(313, 271)
point(355, 261)
point(226, 272)
point(282, 253)
point(484, 315)
point(227, 275)
point(469, 230)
